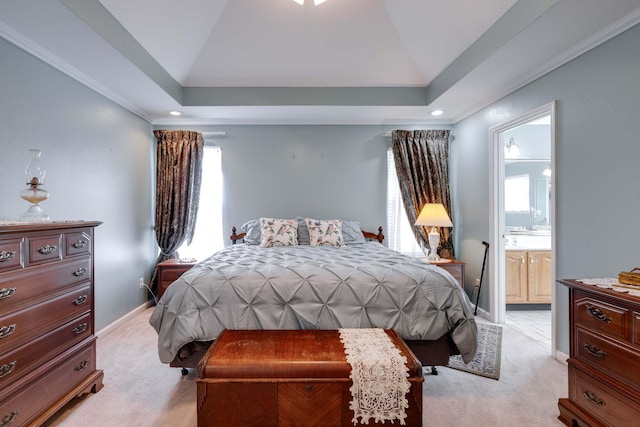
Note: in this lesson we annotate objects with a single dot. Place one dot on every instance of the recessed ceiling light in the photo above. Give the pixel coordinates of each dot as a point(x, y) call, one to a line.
point(315, 2)
point(175, 113)
point(437, 112)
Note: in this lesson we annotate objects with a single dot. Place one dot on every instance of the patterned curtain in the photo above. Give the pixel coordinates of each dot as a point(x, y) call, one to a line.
point(178, 177)
point(422, 165)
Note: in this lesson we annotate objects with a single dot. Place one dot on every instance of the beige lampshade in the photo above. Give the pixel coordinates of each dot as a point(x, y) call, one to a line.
point(434, 215)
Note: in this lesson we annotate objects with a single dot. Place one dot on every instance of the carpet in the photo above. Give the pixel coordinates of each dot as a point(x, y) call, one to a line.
point(486, 363)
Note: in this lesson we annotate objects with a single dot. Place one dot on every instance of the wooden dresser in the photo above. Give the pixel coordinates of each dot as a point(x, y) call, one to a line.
point(604, 367)
point(47, 346)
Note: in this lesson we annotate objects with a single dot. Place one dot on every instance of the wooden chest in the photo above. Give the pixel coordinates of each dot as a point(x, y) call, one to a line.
point(286, 378)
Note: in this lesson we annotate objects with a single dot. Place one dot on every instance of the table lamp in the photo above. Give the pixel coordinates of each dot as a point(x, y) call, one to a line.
point(434, 215)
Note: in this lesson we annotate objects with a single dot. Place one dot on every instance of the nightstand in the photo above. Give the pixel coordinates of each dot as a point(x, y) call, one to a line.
point(169, 271)
point(455, 268)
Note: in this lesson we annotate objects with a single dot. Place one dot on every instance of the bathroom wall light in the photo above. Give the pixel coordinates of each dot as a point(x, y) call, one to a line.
point(511, 149)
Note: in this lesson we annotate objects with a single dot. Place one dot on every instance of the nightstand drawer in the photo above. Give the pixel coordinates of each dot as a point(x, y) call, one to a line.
point(456, 269)
point(169, 271)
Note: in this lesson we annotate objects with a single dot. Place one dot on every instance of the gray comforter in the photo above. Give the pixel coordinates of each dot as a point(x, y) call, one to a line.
point(309, 287)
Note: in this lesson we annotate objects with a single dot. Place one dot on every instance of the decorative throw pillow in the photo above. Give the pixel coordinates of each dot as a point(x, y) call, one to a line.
point(325, 233)
point(278, 232)
point(252, 230)
point(303, 231)
point(352, 233)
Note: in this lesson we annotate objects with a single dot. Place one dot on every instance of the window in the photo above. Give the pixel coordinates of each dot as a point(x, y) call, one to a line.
point(516, 194)
point(208, 237)
point(399, 232)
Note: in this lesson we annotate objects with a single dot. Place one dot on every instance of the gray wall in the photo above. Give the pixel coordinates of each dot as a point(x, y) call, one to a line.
point(317, 171)
point(98, 159)
point(598, 196)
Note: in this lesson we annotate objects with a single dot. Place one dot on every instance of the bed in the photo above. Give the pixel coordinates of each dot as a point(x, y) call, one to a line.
point(353, 283)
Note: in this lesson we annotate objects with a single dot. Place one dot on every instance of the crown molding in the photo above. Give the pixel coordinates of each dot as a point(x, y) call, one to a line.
point(568, 55)
point(44, 55)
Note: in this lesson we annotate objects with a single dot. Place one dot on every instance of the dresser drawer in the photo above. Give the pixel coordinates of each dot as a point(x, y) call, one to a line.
point(25, 325)
point(44, 248)
point(17, 363)
point(10, 255)
point(607, 356)
point(600, 316)
point(34, 283)
point(601, 401)
point(77, 243)
point(29, 402)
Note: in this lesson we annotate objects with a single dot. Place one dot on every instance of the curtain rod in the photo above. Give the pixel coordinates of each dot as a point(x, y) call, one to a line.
point(214, 133)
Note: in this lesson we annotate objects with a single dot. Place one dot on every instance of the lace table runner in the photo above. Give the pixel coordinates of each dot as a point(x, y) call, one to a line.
point(613, 284)
point(379, 374)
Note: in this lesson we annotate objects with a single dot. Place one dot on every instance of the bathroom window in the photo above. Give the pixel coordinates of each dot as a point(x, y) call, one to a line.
point(516, 194)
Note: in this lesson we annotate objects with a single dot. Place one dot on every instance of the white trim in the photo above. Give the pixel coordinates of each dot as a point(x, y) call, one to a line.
point(119, 322)
point(497, 293)
point(561, 357)
point(47, 57)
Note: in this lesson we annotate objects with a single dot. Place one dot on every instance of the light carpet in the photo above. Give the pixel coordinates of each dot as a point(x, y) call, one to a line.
point(142, 392)
point(486, 362)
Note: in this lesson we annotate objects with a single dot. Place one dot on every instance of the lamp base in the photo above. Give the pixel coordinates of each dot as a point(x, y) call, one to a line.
point(434, 241)
point(34, 214)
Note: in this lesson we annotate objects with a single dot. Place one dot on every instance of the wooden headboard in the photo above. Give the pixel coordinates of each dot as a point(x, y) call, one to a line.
point(367, 235)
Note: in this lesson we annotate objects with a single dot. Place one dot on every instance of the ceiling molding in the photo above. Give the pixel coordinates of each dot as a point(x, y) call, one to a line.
point(48, 58)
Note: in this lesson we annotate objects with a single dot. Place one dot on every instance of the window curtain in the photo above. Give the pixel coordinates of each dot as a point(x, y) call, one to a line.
point(421, 158)
point(178, 178)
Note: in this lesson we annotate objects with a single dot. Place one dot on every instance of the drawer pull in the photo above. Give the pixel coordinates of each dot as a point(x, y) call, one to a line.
point(79, 244)
point(82, 365)
point(79, 271)
point(6, 293)
point(6, 369)
point(595, 351)
point(7, 256)
point(596, 313)
point(5, 331)
point(593, 398)
point(80, 328)
point(47, 249)
point(80, 300)
point(9, 418)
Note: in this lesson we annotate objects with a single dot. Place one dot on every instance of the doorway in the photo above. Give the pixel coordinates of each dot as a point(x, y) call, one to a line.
point(522, 263)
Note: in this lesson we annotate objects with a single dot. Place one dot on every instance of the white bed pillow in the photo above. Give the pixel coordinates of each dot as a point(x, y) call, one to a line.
point(278, 232)
point(325, 232)
point(252, 232)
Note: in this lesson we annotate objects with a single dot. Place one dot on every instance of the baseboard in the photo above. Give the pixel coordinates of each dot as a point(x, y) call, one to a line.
point(114, 325)
point(561, 357)
point(482, 313)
